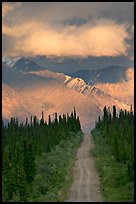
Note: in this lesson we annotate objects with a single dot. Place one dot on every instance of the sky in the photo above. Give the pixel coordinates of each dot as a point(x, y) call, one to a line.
point(78, 30)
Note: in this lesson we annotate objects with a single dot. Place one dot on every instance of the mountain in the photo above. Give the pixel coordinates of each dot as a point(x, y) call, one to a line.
point(29, 93)
point(123, 91)
point(10, 76)
point(21, 64)
point(59, 64)
point(68, 65)
point(9, 61)
point(98, 94)
point(46, 94)
point(111, 74)
point(13, 104)
point(119, 92)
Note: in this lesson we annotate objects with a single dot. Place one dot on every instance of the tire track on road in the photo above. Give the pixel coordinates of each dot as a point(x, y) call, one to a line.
point(85, 187)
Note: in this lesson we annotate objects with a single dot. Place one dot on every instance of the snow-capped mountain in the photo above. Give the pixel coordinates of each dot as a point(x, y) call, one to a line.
point(68, 65)
point(21, 64)
point(46, 94)
point(28, 93)
point(114, 91)
point(98, 93)
point(10, 61)
point(111, 74)
point(120, 93)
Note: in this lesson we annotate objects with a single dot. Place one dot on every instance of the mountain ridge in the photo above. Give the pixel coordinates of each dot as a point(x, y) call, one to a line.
point(111, 74)
point(51, 92)
point(21, 64)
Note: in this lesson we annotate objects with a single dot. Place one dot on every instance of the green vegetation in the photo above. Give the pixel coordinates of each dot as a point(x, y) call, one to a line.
point(54, 171)
point(37, 158)
point(114, 154)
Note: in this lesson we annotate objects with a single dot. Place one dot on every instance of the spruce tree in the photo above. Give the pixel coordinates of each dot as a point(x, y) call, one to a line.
point(49, 122)
point(114, 112)
point(56, 119)
point(105, 115)
point(75, 113)
point(42, 120)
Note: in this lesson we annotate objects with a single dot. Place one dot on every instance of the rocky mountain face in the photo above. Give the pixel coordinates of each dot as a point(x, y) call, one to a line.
point(28, 91)
point(111, 74)
point(21, 64)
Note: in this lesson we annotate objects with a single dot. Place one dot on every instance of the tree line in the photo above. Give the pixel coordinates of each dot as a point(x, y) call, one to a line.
point(118, 132)
point(23, 142)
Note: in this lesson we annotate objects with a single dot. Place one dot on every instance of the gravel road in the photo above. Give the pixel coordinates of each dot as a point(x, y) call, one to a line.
point(85, 187)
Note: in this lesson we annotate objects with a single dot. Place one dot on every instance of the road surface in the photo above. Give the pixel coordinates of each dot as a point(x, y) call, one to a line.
point(85, 187)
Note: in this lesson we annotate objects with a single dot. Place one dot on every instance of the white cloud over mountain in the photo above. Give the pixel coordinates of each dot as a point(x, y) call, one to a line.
point(42, 30)
point(101, 38)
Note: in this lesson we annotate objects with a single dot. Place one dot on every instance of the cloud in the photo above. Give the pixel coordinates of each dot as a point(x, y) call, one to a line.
point(50, 28)
point(58, 11)
point(100, 38)
point(7, 7)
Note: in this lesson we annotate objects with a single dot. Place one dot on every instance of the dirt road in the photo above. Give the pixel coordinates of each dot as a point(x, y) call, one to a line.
point(85, 185)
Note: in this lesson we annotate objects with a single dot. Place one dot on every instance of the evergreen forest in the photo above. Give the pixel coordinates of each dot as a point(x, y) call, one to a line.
point(114, 154)
point(37, 157)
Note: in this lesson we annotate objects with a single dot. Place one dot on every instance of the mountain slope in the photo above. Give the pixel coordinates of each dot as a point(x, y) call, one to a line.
point(10, 61)
point(99, 93)
point(50, 95)
point(12, 104)
point(111, 74)
point(52, 92)
point(21, 64)
point(123, 91)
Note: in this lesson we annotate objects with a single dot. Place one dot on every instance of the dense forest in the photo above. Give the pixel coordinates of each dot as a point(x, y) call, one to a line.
point(114, 152)
point(36, 157)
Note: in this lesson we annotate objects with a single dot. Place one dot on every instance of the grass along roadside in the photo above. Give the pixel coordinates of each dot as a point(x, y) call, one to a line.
point(53, 177)
point(113, 175)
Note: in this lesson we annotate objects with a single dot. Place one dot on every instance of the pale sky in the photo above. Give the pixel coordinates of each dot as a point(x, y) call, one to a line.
point(68, 29)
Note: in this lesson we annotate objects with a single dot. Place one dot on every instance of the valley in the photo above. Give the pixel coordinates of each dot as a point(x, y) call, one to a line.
point(67, 101)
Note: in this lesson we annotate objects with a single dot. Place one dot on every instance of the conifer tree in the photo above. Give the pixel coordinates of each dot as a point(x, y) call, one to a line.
point(49, 122)
point(56, 118)
point(42, 120)
point(35, 121)
point(105, 116)
point(31, 121)
point(114, 112)
point(60, 119)
point(74, 113)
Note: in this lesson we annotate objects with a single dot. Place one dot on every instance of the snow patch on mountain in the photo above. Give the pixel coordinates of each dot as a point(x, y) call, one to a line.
point(67, 79)
point(33, 91)
point(10, 61)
